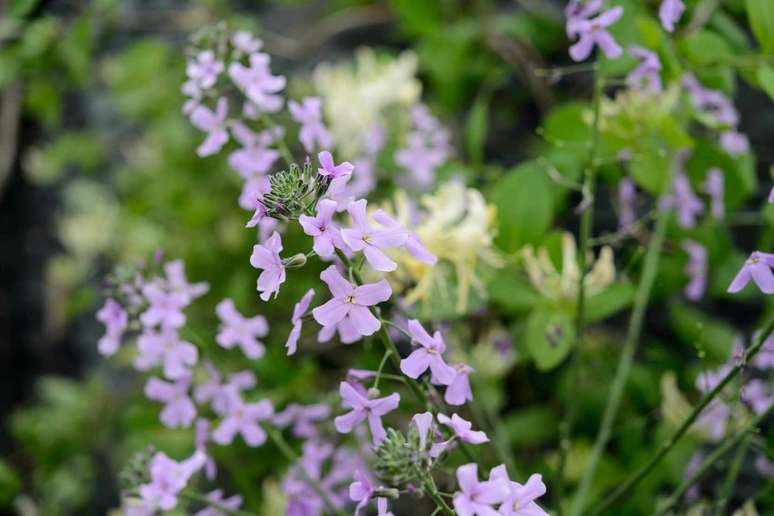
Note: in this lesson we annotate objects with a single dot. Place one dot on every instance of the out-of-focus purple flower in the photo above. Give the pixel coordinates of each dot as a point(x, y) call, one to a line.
point(214, 124)
point(734, 142)
point(165, 347)
point(690, 470)
point(313, 132)
point(303, 418)
point(580, 10)
point(339, 192)
point(251, 198)
point(669, 12)
point(256, 157)
point(220, 395)
point(364, 409)
point(684, 201)
point(462, 430)
point(421, 159)
point(713, 420)
point(258, 83)
point(458, 392)
point(764, 359)
point(428, 356)
point(381, 507)
point(647, 72)
point(298, 312)
point(758, 395)
point(232, 502)
point(521, 500)
point(351, 303)
point(348, 334)
point(715, 187)
point(177, 282)
point(204, 69)
point(424, 423)
point(242, 418)
point(593, 32)
point(477, 498)
point(237, 330)
point(711, 102)
point(771, 195)
point(361, 491)
point(168, 478)
point(115, 319)
point(764, 466)
point(303, 499)
point(201, 437)
point(708, 380)
point(266, 256)
point(363, 237)
point(696, 269)
point(757, 268)
point(179, 410)
point(193, 91)
point(329, 169)
point(164, 308)
point(322, 229)
point(245, 42)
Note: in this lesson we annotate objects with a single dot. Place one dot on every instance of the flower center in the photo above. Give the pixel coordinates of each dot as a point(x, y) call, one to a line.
point(350, 299)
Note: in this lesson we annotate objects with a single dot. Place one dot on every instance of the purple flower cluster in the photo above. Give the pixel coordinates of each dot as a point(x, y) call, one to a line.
point(427, 148)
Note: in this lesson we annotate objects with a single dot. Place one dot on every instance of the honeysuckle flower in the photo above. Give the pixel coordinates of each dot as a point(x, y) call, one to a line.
point(221, 394)
point(313, 132)
point(299, 310)
point(757, 268)
point(458, 392)
point(462, 430)
point(428, 356)
point(685, 201)
point(627, 199)
point(714, 185)
point(648, 70)
point(669, 12)
point(179, 410)
point(165, 347)
point(214, 124)
point(734, 143)
point(361, 490)
point(245, 42)
point(242, 418)
point(266, 256)
point(351, 303)
point(164, 308)
point(258, 83)
point(204, 69)
point(364, 409)
point(303, 418)
point(521, 500)
point(237, 330)
point(329, 169)
point(168, 478)
point(477, 498)
point(711, 102)
point(256, 157)
point(424, 423)
point(177, 282)
point(363, 237)
point(115, 319)
point(758, 395)
point(322, 229)
point(348, 334)
point(696, 269)
point(232, 502)
point(593, 32)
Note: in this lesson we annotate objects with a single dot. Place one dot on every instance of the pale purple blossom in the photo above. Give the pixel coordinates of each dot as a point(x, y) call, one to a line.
point(758, 269)
point(266, 256)
point(690, 470)
point(313, 132)
point(348, 334)
point(363, 409)
point(302, 418)
point(696, 269)
point(764, 466)
point(713, 420)
point(647, 71)
point(351, 303)
point(242, 418)
point(458, 392)
point(296, 320)
point(593, 32)
point(245, 42)
point(201, 437)
point(177, 282)
point(684, 201)
point(168, 478)
point(412, 244)
point(424, 423)
point(115, 319)
point(734, 142)
point(764, 359)
point(577, 10)
point(322, 229)
point(771, 195)
point(258, 83)
point(361, 490)
point(521, 500)
point(714, 185)
point(232, 502)
point(478, 498)
point(204, 69)
point(194, 93)
point(381, 507)
point(429, 355)
point(251, 198)
point(179, 410)
point(712, 102)
point(669, 12)
point(364, 237)
point(238, 330)
point(627, 200)
point(461, 429)
point(214, 124)
point(165, 347)
point(255, 158)
point(221, 394)
point(420, 158)
point(164, 308)
point(329, 169)
point(303, 499)
point(758, 394)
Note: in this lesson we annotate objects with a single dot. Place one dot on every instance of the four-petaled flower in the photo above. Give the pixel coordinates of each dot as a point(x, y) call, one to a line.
point(165, 347)
point(242, 418)
point(428, 356)
point(266, 256)
point(243, 331)
point(463, 430)
point(302, 418)
point(458, 391)
point(362, 409)
point(477, 498)
point(179, 410)
point(115, 319)
point(258, 83)
point(757, 268)
point(361, 490)
point(322, 229)
point(521, 500)
point(329, 169)
point(363, 237)
point(204, 69)
point(308, 113)
point(593, 32)
point(164, 308)
point(245, 42)
point(647, 72)
point(214, 124)
point(167, 479)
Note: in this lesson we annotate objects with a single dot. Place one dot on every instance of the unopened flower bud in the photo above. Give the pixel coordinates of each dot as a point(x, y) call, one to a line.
point(295, 262)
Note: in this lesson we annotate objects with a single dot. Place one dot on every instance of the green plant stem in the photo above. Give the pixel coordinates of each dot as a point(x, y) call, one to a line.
point(637, 476)
point(291, 456)
point(733, 472)
point(387, 354)
point(198, 497)
point(641, 299)
point(584, 237)
point(711, 460)
point(432, 490)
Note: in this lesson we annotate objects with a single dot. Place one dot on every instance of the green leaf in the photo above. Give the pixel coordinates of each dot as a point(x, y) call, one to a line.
point(761, 16)
point(614, 298)
point(524, 201)
point(550, 335)
point(765, 78)
point(476, 128)
point(509, 290)
point(531, 426)
point(710, 337)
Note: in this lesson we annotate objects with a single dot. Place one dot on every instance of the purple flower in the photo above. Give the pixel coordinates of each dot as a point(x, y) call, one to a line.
point(647, 72)
point(266, 256)
point(627, 200)
point(251, 198)
point(428, 356)
point(164, 308)
point(685, 201)
point(758, 395)
point(361, 491)
point(412, 243)
point(255, 158)
point(363, 237)
point(348, 334)
point(242, 418)
point(734, 143)
point(204, 69)
point(696, 269)
point(421, 159)
point(424, 423)
point(322, 229)
point(771, 195)
point(330, 169)
point(308, 113)
point(168, 478)
point(214, 124)
point(115, 319)
point(351, 303)
point(521, 500)
point(714, 186)
point(477, 498)
point(245, 42)
point(222, 394)
point(458, 392)
point(712, 102)
point(362, 409)
point(177, 282)
point(764, 466)
point(764, 359)
point(758, 268)
point(669, 13)
point(298, 312)
point(258, 83)
point(462, 429)
point(238, 330)
point(381, 507)
point(303, 418)
point(179, 410)
point(165, 347)
point(577, 10)
point(232, 502)
point(592, 32)
point(201, 436)
point(713, 420)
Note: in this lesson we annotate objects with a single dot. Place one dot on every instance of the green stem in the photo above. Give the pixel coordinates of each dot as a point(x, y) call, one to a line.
point(381, 366)
point(733, 472)
point(642, 297)
point(198, 497)
point(432, 490)
point(636, 477)
point(711, 460)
